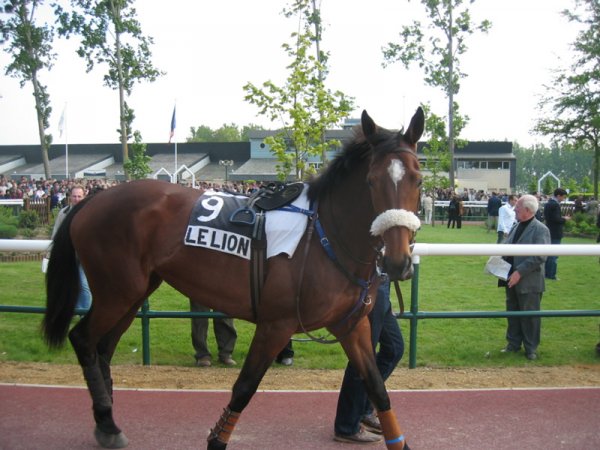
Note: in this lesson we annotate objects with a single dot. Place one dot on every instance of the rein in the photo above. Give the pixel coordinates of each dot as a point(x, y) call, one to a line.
point(363, 300)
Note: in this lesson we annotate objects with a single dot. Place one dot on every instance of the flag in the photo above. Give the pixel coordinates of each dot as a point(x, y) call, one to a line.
point(172, 133)
point(61, 122)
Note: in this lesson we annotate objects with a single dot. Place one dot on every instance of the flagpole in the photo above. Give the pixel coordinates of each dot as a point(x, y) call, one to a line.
point(66, 146)
point(173, 136)
point(62, 126)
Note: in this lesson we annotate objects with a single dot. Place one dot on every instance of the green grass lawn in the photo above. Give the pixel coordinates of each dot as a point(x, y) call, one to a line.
point(446, 283)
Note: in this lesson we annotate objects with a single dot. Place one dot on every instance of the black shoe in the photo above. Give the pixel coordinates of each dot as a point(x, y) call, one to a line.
point(510, 349)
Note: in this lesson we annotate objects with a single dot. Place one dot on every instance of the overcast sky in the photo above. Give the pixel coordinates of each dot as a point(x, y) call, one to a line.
point(210, 49)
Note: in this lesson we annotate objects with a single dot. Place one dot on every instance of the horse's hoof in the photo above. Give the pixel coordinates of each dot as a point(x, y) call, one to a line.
point(215, 444)
point(111, 440)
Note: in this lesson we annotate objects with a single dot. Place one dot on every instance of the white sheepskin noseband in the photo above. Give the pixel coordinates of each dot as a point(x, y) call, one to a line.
point(395, 218)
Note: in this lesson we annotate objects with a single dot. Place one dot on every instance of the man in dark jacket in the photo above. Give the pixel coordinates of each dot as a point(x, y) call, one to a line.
point(493, 206)
point(555, 222)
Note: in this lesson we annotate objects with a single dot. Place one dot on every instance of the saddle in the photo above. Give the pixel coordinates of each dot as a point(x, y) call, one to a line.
point(275, 195)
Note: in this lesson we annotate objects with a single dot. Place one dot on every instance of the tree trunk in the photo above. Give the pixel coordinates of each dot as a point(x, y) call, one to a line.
point(40, 111)
point(122, 111)
point(451, 101)
point(596, 167)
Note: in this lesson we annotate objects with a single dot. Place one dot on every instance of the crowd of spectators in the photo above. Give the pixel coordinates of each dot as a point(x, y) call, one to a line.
point(56, 190)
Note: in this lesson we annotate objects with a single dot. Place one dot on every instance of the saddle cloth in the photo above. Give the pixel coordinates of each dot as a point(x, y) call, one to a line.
point(209, 226)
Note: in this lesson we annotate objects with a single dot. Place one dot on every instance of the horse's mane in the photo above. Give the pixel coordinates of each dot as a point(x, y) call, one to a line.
point(353, 154)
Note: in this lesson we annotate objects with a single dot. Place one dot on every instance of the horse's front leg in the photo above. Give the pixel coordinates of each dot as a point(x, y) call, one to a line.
point(266, 344)
point(359, 349)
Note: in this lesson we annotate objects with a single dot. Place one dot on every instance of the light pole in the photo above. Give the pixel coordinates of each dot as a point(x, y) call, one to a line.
point(227, 163)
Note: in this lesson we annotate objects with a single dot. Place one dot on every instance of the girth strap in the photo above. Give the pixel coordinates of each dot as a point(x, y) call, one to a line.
point(258, 259)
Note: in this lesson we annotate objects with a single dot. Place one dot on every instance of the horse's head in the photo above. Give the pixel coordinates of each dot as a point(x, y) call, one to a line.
point(395, 181)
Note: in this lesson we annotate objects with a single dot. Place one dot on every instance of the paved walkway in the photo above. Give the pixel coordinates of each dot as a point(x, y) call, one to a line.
point(36, 417)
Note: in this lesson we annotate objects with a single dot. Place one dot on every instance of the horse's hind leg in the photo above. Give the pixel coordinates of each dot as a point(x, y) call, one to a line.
point(266, 344)
point(95, 362)
point(359, 349)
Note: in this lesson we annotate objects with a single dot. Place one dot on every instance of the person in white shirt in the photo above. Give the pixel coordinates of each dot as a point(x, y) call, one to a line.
point(428, 208)
point(506, 218)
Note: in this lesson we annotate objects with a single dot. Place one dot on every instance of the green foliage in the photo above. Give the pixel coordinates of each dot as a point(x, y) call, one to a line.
point(29, 219)
point(30, 46)
point(570, 111)
point(226, 133)
point(581, 224)
point(446, 283)
point(436, 151)
point(137, 166)
point(7, 216)
point(111, 34)
point(437, 54)
point(7, 231)
point(304, 106)
point(573, 164)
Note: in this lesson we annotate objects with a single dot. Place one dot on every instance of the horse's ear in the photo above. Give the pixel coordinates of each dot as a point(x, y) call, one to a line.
point(416, 127)
point(368, 125)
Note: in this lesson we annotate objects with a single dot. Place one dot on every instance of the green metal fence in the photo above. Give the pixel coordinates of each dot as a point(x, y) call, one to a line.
point(413, 315)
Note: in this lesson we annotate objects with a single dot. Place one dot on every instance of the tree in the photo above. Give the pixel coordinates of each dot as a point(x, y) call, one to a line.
point(436, 148)
point(111, 34)
point(570, 112)
point(303, 105)
point(450, 25)
point(227, 133)
point(30, 46)
point(137, 166)
point(566, 161)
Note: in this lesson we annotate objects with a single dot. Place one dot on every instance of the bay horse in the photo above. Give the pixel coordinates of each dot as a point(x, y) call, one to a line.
point(130, 238)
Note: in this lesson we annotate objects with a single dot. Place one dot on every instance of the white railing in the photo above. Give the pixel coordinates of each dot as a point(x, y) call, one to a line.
point(421, 249)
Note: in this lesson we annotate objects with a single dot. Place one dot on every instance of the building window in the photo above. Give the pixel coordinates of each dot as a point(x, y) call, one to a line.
point(467, 164)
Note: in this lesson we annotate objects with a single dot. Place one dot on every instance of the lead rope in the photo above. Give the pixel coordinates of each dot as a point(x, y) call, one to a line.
point(399, 296)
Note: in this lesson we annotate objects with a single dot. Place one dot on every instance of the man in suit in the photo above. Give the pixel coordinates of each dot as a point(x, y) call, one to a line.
point(525, 284)
point(555, 222)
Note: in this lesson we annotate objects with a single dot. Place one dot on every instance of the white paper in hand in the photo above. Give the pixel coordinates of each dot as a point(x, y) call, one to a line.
point(498, 267)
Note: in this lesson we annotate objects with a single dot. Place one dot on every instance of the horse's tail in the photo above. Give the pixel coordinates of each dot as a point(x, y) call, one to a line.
point(62, 284)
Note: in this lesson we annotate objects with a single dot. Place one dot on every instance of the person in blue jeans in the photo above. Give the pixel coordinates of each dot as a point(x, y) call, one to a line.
point(355, 420)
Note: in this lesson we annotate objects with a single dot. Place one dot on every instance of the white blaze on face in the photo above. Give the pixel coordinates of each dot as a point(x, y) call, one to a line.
point(396, 171)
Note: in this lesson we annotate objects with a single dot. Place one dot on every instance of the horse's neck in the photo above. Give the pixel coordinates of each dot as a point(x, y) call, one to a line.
point(346, 215)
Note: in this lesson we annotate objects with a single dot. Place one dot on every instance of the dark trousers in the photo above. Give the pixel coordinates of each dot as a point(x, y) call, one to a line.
point(523, 330)
point(225, 334)
point(552, 262)
point(287, 352)
point(353, 402)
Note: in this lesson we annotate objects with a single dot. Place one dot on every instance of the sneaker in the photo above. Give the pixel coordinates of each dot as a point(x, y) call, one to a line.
point(371, 423)
point(227, 360)
point(286, 361)
point(510, 349)
point(203, 362)
point(532, 356)
point(362, 437)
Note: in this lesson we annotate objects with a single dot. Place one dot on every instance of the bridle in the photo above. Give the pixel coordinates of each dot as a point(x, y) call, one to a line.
point(384, 221)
